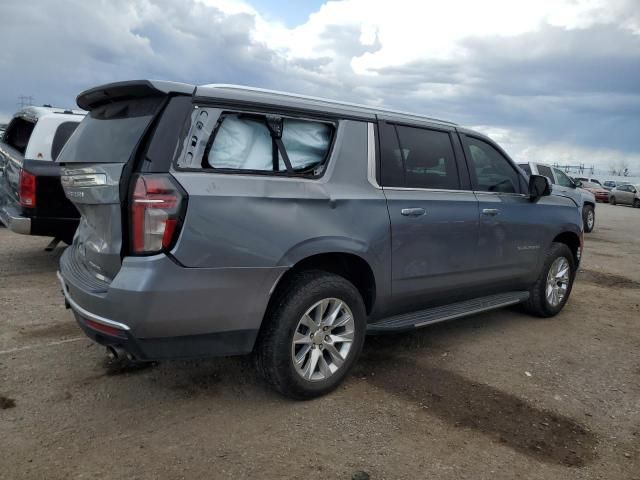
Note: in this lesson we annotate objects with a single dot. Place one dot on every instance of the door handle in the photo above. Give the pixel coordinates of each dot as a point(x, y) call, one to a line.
point(413, 212)
point(492, 212)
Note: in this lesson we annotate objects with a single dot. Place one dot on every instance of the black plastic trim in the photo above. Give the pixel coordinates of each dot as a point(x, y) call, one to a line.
point(233, 342)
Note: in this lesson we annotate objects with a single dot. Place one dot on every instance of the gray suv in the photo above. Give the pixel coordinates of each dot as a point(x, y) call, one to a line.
point(223, 220)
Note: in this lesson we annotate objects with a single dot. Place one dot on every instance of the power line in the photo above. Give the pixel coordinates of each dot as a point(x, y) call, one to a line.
point(581, 168)
point(25, 101)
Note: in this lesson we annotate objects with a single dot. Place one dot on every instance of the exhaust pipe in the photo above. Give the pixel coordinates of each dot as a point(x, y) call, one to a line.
point(118, 353)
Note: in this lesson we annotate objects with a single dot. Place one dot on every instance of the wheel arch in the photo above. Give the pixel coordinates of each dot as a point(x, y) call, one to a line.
point(571, 240)
point(349, 265)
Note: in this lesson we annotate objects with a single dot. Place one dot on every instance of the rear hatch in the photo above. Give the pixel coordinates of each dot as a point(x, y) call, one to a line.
point(99, 160)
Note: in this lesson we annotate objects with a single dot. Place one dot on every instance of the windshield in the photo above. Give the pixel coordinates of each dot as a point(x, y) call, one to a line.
point(590, 185)
point(110, 133)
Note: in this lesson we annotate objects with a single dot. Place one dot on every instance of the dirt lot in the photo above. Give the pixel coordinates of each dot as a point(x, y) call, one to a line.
point(499, 395)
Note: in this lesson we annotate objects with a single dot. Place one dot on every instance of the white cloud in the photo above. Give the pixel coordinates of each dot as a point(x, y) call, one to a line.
point(409, 31)
point(558, 78)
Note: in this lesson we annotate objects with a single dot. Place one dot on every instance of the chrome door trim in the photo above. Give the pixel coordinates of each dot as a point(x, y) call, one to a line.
point(371, 156)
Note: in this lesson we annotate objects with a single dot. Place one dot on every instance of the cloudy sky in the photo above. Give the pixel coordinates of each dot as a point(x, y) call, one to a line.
point(551, 80)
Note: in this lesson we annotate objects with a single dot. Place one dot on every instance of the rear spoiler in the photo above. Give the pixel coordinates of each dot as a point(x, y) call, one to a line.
point(111, 92)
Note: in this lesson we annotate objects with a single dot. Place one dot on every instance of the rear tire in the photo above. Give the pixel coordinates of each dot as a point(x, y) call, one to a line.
point(612, 200)
point(301, 300)
point(588, 218)
point(542, 301)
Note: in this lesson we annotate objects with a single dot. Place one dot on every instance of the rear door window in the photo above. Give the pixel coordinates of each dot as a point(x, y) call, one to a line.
point(110, 133)
point(63, 132)
point(490, 170)
point(18, 134)
point(416, 157)
point(429, 161)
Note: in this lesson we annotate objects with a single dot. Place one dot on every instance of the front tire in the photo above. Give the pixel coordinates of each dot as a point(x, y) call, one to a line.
point(636, 203)
point(312, 335)
point(550, 292)
point(612, 200)
point(588, 218)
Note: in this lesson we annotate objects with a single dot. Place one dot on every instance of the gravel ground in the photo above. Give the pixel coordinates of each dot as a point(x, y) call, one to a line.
point(496, 396)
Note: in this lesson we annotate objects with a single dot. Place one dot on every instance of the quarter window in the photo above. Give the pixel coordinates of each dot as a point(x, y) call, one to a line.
point(63, 132)
point(492, 171)
point(245, 142)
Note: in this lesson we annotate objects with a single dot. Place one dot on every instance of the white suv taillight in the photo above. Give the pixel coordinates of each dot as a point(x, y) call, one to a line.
point(27, 191)
point(156, 206)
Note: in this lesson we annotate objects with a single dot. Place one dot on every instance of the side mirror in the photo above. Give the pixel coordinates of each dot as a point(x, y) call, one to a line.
point(539, 186)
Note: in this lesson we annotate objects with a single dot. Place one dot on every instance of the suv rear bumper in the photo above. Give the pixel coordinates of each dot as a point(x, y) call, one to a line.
point(14, 221)
point(156, 309)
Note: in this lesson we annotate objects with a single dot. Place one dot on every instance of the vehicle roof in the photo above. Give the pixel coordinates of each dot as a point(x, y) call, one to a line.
point(252, 95)
point(35, 113)
point(249, 96)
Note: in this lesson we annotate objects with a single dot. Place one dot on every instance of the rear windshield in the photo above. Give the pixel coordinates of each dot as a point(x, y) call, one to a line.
point(18, 134)
point(110, 133)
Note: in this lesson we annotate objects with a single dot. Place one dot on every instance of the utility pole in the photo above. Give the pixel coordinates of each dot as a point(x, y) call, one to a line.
point(25, 101)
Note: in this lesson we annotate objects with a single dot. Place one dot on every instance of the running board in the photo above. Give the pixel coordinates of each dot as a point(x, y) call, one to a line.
point(421, 318)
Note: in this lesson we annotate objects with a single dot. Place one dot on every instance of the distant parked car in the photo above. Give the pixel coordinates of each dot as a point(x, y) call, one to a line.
point(611, 184)
point(563, 185)
point(598, 190)
point(32, 201)
point(626, 194)
point(588, 179)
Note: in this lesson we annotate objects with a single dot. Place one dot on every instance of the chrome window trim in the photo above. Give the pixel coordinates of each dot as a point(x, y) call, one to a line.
point(371, 156)
point(502, 193)
point(416, 189)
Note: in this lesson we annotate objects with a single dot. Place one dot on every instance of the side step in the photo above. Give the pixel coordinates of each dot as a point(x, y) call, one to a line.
point(421, 318)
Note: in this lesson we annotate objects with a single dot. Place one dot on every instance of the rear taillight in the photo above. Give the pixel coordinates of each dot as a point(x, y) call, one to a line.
point(156, 206)
point(27, 190)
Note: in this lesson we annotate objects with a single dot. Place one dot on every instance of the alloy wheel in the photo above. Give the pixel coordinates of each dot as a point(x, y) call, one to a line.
point(323, 339)
point(558, 281)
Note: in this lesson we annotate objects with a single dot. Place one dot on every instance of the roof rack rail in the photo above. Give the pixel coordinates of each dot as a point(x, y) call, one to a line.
point(325, 100)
